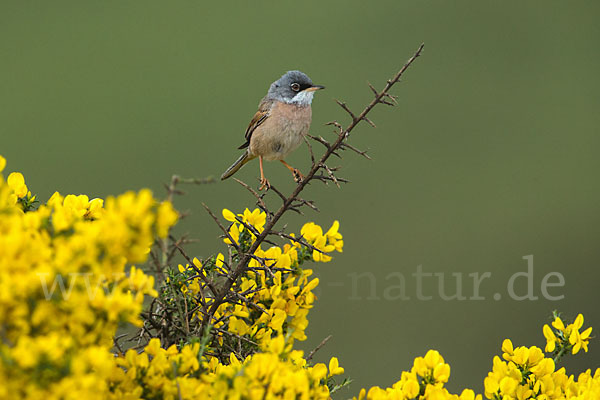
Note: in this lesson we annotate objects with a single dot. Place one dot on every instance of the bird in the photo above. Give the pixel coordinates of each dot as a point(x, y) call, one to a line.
point(280, 124)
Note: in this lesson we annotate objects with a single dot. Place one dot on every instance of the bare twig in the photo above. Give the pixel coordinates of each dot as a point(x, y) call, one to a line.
point(176, 179)
point(312, 353)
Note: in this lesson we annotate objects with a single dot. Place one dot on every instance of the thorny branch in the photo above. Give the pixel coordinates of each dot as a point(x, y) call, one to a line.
point(382, 97)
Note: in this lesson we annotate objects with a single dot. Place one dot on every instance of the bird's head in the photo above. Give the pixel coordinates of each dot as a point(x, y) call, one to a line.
point(294, 87)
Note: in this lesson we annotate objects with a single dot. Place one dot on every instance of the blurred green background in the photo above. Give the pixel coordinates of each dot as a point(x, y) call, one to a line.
point(492, 154)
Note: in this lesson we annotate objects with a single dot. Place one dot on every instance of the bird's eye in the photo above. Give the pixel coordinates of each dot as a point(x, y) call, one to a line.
point(295, 87)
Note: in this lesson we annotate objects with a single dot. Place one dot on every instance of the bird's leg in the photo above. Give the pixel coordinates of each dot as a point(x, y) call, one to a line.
point(298, 177)
point(264, 183)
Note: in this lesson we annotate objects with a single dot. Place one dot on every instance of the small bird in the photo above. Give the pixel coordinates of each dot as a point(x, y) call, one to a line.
point(279, 125)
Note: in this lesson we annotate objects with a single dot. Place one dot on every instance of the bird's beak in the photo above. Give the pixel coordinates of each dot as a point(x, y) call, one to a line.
point(314, 88)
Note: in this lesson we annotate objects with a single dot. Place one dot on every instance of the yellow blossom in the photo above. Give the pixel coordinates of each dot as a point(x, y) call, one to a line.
point(16, 183)
point(166, 217)
point(558, 324)
point(334, 367)
point(228, 215)
point(551, 339)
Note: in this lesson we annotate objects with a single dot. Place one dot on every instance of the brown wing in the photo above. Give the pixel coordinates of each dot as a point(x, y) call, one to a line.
point(261, 115)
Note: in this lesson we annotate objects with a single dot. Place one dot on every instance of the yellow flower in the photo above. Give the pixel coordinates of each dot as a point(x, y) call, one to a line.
point(319, 371)
point(468, 394)
point(491, 385)
point(16, 183)
point(520, 356)
point(535, 356)
point(197, 263)
point(256, 218)
point(166, 217)
point(276, 345)
point(219, 260)
point(578, 323)
point(334, 367)
point(508, 386)
point(2, 163)
point(277, 320)
point(140, 282)
point(507, 348)
point(411, 388)
point(310, 286)
point(76, 205)
point(441, 373)
point(433, 358)
point(94, 209)
point(153, 347)
point(238, 326)
point(544, 367)
point(558, 324)
point(361, 395)
point(311, 232)
point(234, 232)
point(334, 237)
point(551, 339)
point(228, 215)
point(580, 340)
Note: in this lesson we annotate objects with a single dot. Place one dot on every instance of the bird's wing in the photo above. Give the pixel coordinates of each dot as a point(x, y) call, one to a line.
point(261, 115)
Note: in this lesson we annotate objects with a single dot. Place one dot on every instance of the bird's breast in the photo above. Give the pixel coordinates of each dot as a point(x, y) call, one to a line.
point(282, 132)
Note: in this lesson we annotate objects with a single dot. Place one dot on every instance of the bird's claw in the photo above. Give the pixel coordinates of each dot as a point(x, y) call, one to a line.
point(298, 177)
point(264, 183)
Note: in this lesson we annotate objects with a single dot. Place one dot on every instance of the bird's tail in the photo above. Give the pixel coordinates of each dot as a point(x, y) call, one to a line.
point(239, 163)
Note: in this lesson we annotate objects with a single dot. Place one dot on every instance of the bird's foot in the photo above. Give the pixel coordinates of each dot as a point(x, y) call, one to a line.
point(264, 184)
point(298, 177)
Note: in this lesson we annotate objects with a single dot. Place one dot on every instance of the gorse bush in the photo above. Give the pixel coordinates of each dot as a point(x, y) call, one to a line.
point(67, 282)
point(57, 343)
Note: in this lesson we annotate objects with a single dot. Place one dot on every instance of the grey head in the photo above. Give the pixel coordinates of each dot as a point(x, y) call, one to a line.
point(294, 87)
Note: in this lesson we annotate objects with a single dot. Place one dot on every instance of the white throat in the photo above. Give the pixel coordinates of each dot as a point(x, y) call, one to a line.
point(304, 98)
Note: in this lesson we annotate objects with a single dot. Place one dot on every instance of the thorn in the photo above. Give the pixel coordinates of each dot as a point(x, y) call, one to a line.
point(369, 121)
point(373, 89)
point(361, 152)
point(392, 98)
